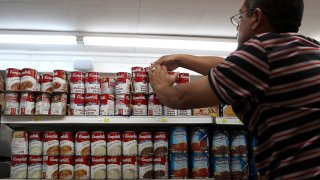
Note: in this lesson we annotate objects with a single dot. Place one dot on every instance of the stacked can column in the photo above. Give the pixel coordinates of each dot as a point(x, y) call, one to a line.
point(107, 99)
point(92, 96)
point(50, 165)
point(239, 155)
point(160, 151)
point(77, 90)
point(67, 158)
point(122, 92)
point(145, 152)
point(19, 155)
point(114, 155)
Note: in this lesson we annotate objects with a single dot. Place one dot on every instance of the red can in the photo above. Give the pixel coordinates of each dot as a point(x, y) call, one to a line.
point(139, 102)
point(146, 167)
point(46, 82)
point(145, 144)
point(27, 103)
point(108, 85)
point(160, 167)
point(66, 144)
point(129, 167)
point(107, 105)
point(76, 80)
point(77, 104)
point(59, 104)
point(98, 143)
point(154, 106)
point(184, 78)
point(34, 167)
point(35, 143)
point(50, 143)
point(82, 167)
point(12, 103)
point(114, 167)
point(19, 166)
point(59, 82)
point(136, 69)
point(122, 104)
point(92, 85)
point(50, 168)
point(122, 83)
point(160, 143)
point(28, 79)
point(66, 167)
point(43, 103)
point(114, 144)
point(92, 104)
point(98, 167)
point(130, 145)
point(82, 143)
point(13, 79)
point(140, 82)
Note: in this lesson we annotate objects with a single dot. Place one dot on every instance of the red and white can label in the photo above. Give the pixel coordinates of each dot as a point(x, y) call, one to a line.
point(129, 167)
point(66, 167)
point(145, 144)
point(160, 143)
point(122, 83)
point(35, 143)
point(139, 102)
point(82, 143)
point(19, 167)
point(154, 106)
point(130, 144)
point(13, 79)
point(107, 105)
point(169, 111)
point(28, 79)
point(43, 103)
point(98, 143)
point(92, 84)
point(108, 85)
point(76, 80)
point(27, 103)
point(34, 167)
point(92, 103)
point(46, 82)
point(59, 104)
point(184, 78)
point(98, 167)
point(146, 167)
point(50, 143)
point(114, 167)
point(19, 143)
point(122, 104)
point(114, 144)
point(160, 167)
point(82, 167)
point(66, 144)
point(59, 82)
point(77, 104)
point(140, 82)
point(12, 103)
point(50, 168)
point(136, 69)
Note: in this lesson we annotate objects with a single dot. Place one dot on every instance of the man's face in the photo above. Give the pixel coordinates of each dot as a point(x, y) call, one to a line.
point(244, 28)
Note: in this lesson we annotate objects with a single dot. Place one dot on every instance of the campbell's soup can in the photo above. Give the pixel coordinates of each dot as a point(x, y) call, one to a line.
point(35, 143)
point(50, 167)
point(19, 166)
point(221, 167)
point(200, 165)
point(139, 102)
point(92, 85)
point(145, 144)
point(129, 143)
point(59, 104)
point(114, 144)
point(169, 111)
point(184, 112)
point(108, 85)
point(92, 104)
point(43, 103)
point(28, 79)
point(34, 167)
point(12, 103)
point(184, 78)
point(238, 142)
point(154, 106)
point(140, 82)
point(179, 166)
point(98, 143)
point(50, 143)
point(136, 69)
point(107, 105)
point(122, 104)
point(59, 82)
point(27, 103)
point(38, 82)
point(160, 143)
point(145, 167)
point(76, 81)
point(66, 167)
point(19, 143)
point(66, 144)
point(98, 167)
point(220, 143)
point(239, 167)
point(178, 140)
point(82, 167)
point(114, 167)
point(199, 140)
point(46, 82)
point(122, 83)
point(13, 79)
point(77, 104)
point(160, 170)
point(129, 167)
point(82, 143)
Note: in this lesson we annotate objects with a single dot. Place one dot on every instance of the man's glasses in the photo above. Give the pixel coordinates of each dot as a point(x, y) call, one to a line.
point(235, 20)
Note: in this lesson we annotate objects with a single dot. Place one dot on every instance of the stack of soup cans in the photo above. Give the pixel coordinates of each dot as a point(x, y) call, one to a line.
point(239, 155)
point(139, 91)
point(122, 93)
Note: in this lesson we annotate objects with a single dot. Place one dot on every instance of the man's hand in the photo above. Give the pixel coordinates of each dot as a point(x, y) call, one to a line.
point(170, 61)
point(159, 77)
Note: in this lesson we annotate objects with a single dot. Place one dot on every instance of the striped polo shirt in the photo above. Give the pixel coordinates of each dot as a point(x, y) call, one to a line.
point(273, 85)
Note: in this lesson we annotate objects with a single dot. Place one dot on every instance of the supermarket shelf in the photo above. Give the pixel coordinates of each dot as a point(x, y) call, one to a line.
point(227, 121)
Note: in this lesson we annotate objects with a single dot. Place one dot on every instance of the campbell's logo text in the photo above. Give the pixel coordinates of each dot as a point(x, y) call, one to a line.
point(101, 136)
point(130, 136)
point(98, 160)
point(65, 160)
point(35, 159)
point(80, 136)
point(146, 159)
point(51, 136)
point(34, 136)
point(20, 159)
point(113, 160)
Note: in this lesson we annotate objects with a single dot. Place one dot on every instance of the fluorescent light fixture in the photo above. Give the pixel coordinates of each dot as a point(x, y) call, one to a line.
point(168, 43)
point(37, 39)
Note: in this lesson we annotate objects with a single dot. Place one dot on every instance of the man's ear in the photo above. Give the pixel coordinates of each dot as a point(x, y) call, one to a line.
point(256, 19)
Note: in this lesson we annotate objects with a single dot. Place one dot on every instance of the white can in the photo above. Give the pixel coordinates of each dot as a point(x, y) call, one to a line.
point(108, 85)
point(98, 167)
point(59, 104)
point(77, 104)
point(66, 167)
point(122, 104)
point(76, 80)
point(92, 103)
point(154, 106)
point(114, 144)
point(92, 85)
point(82, 143)
point(12, 103)
point(50, 143)
point(35, 167)
point(13, 79)
point(19, 167)
point(145, 167)
point(139, 102)
point(123, 83)
point(98, 143)
point(50, 167)
point(27, 103)
point(107, 105)
point(129, 167)
point(46, 82)
point(28, 79)
point(82, 167)
point(114, 167)
point(35, 143)
point(19, 143)
point(160, 167)
point(43, 103)
point(129, 143)
point(66, 144)
point(140, 82)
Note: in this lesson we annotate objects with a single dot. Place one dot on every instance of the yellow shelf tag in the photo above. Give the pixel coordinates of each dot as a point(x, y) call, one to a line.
point(106, 120)
point(36, 119)
point(224, 121)
point(164, 120)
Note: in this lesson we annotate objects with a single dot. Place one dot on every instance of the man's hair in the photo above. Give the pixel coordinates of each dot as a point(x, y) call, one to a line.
point(284, 15)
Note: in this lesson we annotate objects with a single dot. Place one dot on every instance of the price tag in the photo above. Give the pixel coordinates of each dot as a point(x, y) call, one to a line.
point(164, 119)
point(106, 120)
point(36, 119)
point(224, 121)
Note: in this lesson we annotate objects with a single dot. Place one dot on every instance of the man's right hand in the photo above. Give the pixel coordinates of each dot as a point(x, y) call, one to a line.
point(170, 61)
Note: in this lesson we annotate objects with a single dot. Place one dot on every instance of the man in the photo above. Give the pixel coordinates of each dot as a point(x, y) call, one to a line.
point(272, 82)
